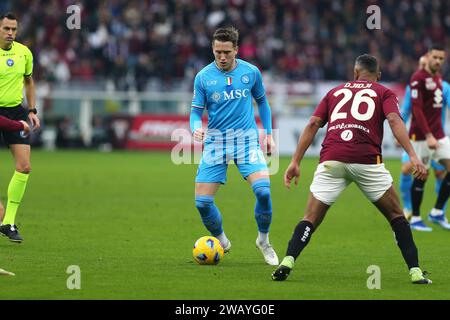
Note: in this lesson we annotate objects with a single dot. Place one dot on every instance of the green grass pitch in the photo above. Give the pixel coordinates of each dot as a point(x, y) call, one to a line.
point(128, 220)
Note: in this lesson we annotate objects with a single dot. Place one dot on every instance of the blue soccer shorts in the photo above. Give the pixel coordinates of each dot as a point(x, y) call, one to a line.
point(214, 163)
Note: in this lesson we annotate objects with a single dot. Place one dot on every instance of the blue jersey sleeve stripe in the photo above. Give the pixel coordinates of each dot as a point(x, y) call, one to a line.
point(199, 107)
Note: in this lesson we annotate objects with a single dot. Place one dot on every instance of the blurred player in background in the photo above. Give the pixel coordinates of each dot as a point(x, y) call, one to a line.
point(16, 68)
point(225, 89)
point(439, 171)
point(427, 135)
point(351, 152)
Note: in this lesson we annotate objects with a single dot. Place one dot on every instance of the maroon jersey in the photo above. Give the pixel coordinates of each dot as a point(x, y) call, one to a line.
point(426, 99)
point(355, 112)
point(10, 125)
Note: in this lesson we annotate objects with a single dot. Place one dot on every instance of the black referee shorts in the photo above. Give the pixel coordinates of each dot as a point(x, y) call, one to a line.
point(14, 113)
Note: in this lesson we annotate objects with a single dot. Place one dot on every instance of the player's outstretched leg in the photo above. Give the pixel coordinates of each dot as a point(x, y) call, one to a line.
point(263, 216)
point(315, 213)
point(389, 206)
point(212, 219)
point(405, 242)
point(299, 240)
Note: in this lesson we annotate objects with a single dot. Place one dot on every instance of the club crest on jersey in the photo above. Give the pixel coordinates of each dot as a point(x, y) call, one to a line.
point(245, 79)
point(10, 62)
point(215, 96)
point(430, 84)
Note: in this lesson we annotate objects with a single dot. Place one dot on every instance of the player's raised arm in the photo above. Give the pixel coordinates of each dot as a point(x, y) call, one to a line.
point(305, 140)
point(399, 130)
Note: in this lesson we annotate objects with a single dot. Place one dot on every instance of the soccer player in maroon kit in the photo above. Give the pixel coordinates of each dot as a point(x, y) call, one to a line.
point(428, 137)
point(351, 152)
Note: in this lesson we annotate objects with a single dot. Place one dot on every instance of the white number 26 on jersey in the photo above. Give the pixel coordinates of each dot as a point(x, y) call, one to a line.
point(362, 96)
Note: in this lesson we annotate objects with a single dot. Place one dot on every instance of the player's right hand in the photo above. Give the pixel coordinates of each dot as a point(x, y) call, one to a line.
point(26, 127)
point(419, 170)
point(432, 142)
point(293, 171)
point(199, 135)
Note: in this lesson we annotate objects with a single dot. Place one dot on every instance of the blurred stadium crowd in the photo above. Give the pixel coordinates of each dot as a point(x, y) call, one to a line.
point(160, 42)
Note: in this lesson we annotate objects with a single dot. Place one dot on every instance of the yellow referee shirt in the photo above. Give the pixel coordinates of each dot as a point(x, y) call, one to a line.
point(15, 63)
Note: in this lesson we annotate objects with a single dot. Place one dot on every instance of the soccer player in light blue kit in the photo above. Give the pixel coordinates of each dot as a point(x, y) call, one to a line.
point(405, 177)
point(225, 89)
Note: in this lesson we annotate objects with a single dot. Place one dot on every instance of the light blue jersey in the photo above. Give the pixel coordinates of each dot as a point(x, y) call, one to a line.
point(405, 112)
point(227, 96)
point(232, 132)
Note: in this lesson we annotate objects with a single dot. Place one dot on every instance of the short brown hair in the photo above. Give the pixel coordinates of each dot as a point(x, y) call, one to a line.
point(227, 34)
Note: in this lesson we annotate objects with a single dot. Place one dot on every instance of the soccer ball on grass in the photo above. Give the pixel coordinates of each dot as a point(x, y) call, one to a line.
point(207, 250)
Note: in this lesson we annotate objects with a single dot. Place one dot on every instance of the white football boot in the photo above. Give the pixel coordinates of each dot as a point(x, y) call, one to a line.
point(270, 256)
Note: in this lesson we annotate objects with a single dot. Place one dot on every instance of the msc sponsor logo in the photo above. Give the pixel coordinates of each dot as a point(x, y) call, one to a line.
point(236, 94)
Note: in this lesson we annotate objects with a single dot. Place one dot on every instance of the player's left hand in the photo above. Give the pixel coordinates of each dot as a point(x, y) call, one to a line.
point(292, 171)
point(35, 122)
point(270, 144)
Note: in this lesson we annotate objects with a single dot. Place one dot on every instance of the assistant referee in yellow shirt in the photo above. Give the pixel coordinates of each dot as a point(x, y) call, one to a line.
point(16, 68)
